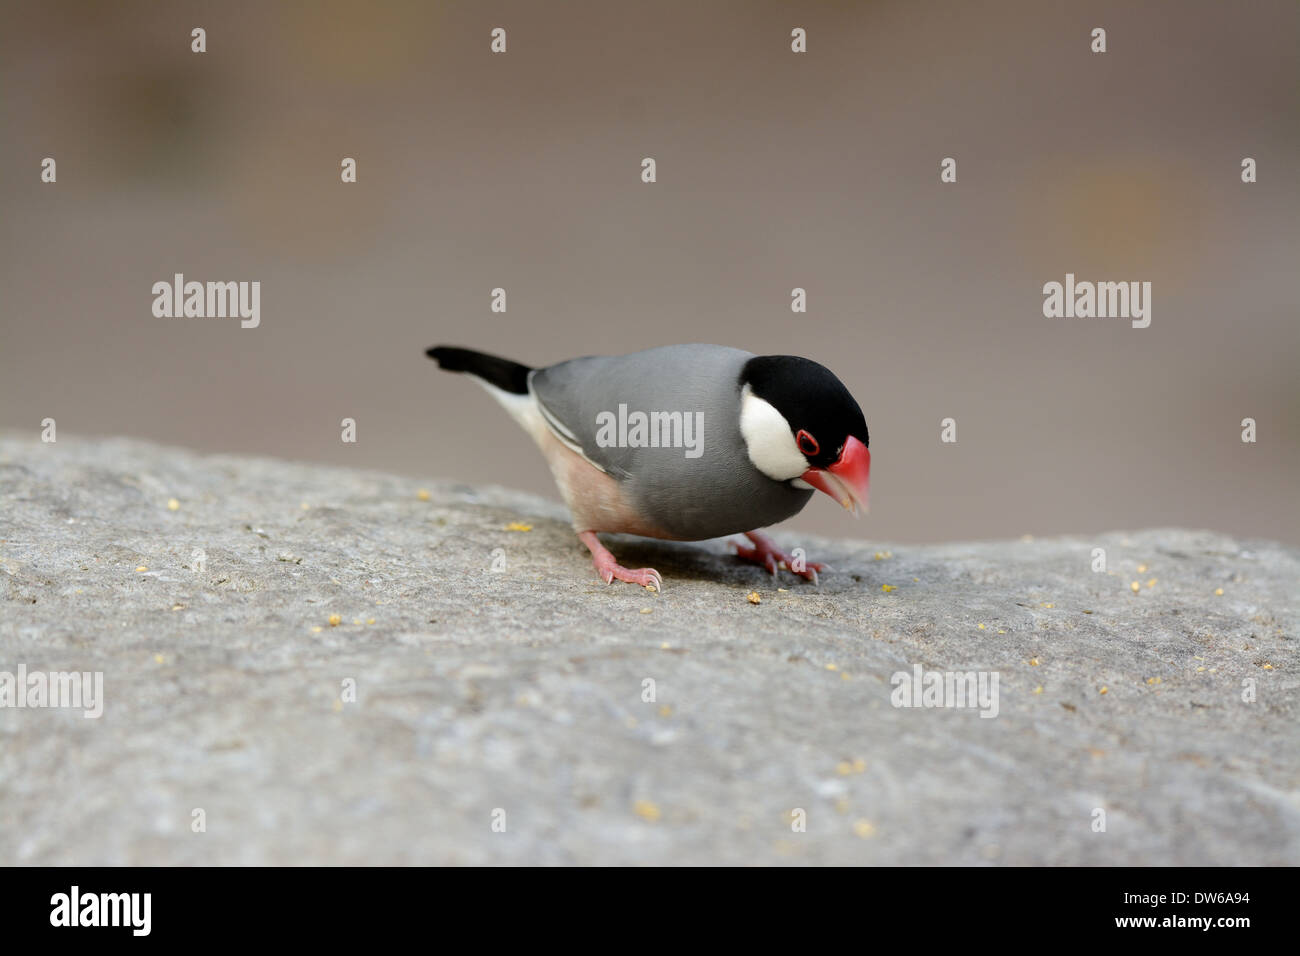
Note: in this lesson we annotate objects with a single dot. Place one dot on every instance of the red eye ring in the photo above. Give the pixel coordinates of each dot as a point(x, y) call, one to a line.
point(807, 444)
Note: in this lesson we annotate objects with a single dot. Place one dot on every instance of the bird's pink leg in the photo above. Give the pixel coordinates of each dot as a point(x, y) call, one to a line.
point(609, 569)
point(766, 553)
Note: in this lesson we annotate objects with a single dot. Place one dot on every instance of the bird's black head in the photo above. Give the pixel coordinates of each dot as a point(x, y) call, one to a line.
point(821, 413)
point(801, 425)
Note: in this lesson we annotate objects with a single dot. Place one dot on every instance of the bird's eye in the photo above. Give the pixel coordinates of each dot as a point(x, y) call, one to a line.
point(807, 444)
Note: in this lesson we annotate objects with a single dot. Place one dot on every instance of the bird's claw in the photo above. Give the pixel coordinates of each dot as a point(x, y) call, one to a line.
point(768, 555)
point(607, 569)
point(645, 577)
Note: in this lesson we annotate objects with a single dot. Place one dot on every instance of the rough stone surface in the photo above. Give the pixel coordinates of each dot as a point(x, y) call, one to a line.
point(522, 689)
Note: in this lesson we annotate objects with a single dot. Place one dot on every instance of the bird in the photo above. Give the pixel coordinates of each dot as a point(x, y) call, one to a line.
point(684, 443)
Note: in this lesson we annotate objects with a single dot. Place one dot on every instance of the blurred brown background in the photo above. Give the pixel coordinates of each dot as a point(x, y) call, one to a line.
point(775, 170)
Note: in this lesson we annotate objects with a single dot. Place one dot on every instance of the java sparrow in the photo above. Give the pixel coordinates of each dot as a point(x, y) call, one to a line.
point(741, 442)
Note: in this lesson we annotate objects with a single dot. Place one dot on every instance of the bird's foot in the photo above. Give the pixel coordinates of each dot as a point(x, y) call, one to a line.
point(766, 554)
point(608, 569)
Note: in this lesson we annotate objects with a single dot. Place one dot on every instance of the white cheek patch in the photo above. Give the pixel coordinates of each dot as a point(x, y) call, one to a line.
point(768, 440)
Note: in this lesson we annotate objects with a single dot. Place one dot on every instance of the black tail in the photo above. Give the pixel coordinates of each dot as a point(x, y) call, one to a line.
point(503, 373)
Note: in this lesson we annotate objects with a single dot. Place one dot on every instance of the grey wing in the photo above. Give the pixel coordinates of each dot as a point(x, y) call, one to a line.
point(572, 395)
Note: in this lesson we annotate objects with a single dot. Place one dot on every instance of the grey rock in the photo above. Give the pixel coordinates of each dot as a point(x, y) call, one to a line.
point(521, 689)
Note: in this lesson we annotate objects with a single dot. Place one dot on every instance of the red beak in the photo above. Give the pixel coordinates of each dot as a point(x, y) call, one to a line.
point(846, 480)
